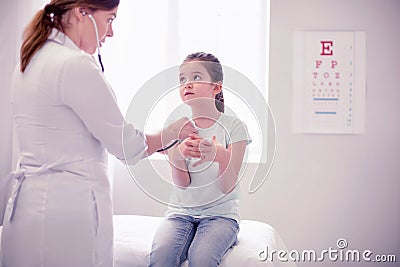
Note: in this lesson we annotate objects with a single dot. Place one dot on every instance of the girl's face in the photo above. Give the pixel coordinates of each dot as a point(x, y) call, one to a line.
point(195, 83)
point(103, 19)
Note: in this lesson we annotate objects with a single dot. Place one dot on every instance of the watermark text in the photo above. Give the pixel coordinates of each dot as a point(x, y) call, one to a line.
point(331, 254)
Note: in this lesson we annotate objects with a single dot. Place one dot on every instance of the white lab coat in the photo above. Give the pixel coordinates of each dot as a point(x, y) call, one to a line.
point(66, 117)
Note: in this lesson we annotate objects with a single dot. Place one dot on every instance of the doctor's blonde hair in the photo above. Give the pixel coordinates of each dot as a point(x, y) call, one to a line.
point(51, 16)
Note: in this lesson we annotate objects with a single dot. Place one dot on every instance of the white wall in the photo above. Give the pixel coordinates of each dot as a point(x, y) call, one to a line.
point(8, 29)
point(325, 187)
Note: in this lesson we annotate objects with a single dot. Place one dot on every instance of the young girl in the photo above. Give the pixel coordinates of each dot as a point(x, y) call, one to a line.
point(202, 222)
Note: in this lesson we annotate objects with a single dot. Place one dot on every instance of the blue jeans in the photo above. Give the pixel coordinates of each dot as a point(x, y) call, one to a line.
point(203, 242)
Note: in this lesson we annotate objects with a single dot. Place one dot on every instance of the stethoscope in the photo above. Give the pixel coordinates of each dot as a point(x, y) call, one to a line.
point(97, 37)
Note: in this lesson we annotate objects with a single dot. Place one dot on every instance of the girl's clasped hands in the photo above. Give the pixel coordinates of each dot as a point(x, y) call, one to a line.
point(195, 146)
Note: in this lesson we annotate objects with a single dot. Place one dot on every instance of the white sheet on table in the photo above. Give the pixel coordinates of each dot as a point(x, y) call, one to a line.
point(134, 235)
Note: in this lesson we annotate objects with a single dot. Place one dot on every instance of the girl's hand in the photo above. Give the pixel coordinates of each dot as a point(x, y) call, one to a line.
point(208, 151)
point(189, 148)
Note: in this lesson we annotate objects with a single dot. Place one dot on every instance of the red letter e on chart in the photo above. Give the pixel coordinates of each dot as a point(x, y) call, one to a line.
point(327, 48)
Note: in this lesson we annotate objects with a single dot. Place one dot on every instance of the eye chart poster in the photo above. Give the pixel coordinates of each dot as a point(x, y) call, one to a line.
point(329, 82)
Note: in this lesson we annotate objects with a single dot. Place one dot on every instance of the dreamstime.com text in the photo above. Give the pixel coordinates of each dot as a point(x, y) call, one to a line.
point(331, 254)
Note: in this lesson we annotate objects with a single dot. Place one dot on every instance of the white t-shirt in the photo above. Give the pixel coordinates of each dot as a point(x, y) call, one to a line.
point(203, 197)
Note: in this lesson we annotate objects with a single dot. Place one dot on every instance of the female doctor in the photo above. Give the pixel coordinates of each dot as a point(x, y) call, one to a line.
point(66, 117)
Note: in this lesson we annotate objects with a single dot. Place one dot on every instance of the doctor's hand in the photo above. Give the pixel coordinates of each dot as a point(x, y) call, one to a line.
point(179, 129)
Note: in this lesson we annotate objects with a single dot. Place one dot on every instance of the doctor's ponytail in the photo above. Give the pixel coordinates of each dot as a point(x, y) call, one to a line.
point(35, 34)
